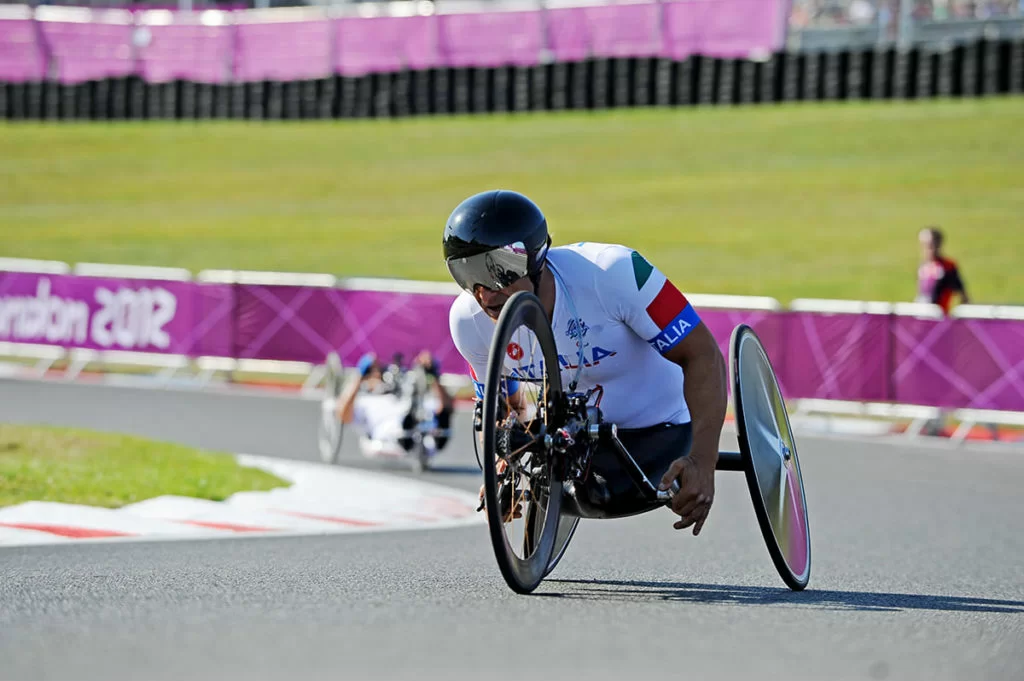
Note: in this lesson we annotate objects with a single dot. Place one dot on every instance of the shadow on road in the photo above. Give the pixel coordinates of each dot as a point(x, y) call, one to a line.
point(638, 591)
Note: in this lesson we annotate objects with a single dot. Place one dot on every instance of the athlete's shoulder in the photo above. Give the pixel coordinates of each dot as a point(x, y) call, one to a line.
point(466, 322)
point(595, 255)
point(618, 260)
point(464, 314)
point(596, 252)
point(463, 307)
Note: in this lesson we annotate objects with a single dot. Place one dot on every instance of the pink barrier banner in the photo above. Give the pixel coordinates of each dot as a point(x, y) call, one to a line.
point(79, 44)
point(283, 50)
point(975, 363)
point(384, 44)
point(303, 324)
point(186, 51)
point(767, 325)
point(294, 323)
point(836, 356)
point(490, 39)
point(21, 56)
point(287, 323)
point(568, 36)
point(90, 50)
point(624, 30)
point(134, 315)
point(722, 28)
point(213, 323)
point(386, 323)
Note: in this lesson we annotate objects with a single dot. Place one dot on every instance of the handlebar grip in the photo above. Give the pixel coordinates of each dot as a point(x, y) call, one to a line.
point(666, 495)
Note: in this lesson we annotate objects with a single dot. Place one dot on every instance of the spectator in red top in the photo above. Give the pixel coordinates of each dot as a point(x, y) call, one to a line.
point(938, 277)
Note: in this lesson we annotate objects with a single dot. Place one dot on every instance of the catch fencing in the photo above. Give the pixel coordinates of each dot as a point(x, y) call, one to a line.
point(409, 58)
point(840, 353)
point(74, 45)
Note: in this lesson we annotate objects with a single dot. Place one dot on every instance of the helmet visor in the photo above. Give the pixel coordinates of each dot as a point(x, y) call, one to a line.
point(494, 269)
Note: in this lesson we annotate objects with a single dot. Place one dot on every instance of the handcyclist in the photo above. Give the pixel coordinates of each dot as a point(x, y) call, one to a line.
point(384, 410)
point(618, 322)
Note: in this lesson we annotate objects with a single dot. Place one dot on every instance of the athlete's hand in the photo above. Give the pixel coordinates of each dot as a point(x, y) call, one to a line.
point(692, 502)
point(517, 510)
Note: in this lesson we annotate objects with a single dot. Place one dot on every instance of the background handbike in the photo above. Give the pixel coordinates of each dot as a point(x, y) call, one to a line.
point(409, 384)
point(535, 463)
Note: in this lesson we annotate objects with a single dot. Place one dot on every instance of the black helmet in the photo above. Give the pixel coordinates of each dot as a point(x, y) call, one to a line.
point(494, 238)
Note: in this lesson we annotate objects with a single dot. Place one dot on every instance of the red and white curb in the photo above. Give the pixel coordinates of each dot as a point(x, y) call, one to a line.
point(321, 500)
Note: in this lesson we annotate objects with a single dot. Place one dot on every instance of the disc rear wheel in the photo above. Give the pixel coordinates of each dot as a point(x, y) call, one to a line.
point(566, 529)
point(770, 459)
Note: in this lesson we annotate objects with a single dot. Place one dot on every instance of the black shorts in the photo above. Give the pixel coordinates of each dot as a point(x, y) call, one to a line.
point(609, 490)
point(442, 420)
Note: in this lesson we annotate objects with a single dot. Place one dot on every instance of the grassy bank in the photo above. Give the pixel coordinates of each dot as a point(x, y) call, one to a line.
point(788, 201)
point(39, 463)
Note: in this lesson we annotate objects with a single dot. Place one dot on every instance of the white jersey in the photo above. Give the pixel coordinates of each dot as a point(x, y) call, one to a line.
point(380, 417)
point(615, 316)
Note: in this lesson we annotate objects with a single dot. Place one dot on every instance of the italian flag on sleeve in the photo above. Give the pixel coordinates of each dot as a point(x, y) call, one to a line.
point(671, 313)
point(478, 387)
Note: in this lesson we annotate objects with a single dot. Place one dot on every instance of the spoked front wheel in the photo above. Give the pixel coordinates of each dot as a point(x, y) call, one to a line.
point(522, 481)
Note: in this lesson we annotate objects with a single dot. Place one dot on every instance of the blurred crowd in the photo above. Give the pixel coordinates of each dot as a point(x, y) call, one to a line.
point(859, 12)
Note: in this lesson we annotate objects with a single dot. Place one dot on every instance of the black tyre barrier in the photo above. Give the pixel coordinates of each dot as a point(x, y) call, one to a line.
point(599, 78)
point(15, 101)
point(1015, 72)
point(790, 65)
point(969, 70)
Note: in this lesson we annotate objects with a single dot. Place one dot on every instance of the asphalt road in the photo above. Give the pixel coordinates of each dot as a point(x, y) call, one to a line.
point(918, 573)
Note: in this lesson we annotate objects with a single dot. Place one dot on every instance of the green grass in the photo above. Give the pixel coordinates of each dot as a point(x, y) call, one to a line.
point(97, 469)
point(788, 201)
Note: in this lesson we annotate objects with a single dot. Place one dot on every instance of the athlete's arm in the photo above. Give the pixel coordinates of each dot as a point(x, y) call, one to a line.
point(517, 403)
point(705, 390)
point(706, 393)
point(643, 298)
point(347, 399)
point(426, 360)
point(514, 397)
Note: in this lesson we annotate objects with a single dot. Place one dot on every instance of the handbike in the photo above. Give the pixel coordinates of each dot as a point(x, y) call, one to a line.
point(409, 384)
point(535, 463)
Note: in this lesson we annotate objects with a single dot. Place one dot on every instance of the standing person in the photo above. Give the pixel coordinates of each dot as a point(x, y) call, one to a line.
point(938, 277)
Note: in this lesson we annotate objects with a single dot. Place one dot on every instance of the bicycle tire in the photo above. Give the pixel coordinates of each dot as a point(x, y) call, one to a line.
point(330, 429)
point(760, 409)
point(522, 575)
